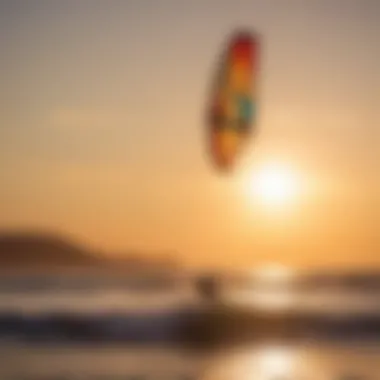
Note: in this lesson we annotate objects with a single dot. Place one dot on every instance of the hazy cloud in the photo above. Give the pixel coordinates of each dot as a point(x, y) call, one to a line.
point(74, 118)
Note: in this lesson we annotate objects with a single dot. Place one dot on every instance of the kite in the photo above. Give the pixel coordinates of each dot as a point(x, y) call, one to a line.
point(231, 113)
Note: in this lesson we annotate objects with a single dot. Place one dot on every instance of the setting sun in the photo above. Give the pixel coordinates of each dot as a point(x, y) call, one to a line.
point(273, 185)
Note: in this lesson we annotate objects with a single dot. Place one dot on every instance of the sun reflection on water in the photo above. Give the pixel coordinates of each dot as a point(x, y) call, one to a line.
point(268, 362)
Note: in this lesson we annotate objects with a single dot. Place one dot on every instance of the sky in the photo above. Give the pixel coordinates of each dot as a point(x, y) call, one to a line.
point(102, 128)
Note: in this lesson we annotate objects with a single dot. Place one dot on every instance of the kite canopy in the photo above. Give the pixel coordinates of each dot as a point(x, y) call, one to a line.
point(232, 105)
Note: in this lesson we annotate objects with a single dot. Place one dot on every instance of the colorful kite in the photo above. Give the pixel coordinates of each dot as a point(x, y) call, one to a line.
point(232, 108)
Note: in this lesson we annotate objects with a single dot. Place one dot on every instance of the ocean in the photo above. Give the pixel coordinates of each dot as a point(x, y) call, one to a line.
point(94, 327)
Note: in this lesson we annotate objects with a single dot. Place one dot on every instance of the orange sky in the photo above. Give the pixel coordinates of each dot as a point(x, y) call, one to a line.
point(101, 128)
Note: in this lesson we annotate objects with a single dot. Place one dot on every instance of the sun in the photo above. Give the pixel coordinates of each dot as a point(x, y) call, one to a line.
point(273, 184)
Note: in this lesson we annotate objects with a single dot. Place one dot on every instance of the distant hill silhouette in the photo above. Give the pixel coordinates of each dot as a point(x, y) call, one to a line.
point(25, 250)
point(31, 248)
